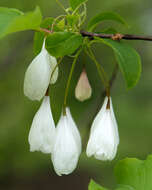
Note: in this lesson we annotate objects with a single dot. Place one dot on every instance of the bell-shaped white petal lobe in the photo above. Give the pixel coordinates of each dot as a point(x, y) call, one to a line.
point(42, 132)
point(38, 74)
point(67, 148)
point(83, 89)
point(104, 137)
point(115, 122)
point(54, 69)
point(74, 129)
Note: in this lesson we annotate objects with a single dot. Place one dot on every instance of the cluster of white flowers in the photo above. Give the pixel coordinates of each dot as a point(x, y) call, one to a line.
point(63, 141)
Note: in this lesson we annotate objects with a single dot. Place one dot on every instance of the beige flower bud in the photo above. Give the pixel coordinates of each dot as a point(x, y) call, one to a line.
point(83, 89)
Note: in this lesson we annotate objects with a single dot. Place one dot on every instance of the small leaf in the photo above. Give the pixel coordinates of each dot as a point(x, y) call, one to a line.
point(134, 174)
point(95, 186)
point(76, 3)
point(72, 19)
point(63, 43)
point(61, 24)
point(105, 16)
point(13, 20)
point(128, 60)
point(39, 36)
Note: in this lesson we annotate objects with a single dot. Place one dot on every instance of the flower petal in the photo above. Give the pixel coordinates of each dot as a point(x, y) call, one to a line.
point(74, 129)
point(104, 138)
point(53, 63)
point(37, 76)
point(42, 132)
point(66, 152)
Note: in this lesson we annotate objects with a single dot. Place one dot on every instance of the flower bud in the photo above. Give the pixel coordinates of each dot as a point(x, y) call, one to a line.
point(104, 137)
point(67, 147)
point(38, 74)
point(42, 132)
point(83, 89)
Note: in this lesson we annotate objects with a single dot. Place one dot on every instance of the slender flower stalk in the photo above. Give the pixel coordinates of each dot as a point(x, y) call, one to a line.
point(42, 132)
point(99, 67)
point(38, 74)
point(104, 137)
point(69, 80)
point(83, 89)
point(67, 146)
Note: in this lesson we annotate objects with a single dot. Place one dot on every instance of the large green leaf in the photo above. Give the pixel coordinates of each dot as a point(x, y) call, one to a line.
point(76, 3)
point(95, 186)
point(128, 60)
point(13, 20)
point(104, 16)
point(63, 43)
point(134, 174)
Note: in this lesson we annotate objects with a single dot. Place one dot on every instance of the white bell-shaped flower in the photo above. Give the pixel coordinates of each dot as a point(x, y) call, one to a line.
point(42, 132)
point(38, 74)
point(67, 147)
point(74, 129)
point(83, 88)
point(104, 137)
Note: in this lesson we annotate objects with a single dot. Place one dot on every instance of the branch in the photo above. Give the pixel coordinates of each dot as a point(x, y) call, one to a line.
point(116, 36)
point(111, 36)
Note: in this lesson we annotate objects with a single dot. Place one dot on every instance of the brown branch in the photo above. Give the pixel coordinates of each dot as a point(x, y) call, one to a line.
point(116, 36)
point(111, 36)
point(46, 31)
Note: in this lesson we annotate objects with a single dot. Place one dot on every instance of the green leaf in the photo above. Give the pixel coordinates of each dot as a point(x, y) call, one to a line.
point(109, 31)
point(13, 20)
point(61, 24)
point(134, 174)
point(39, 36)
point(63, 43)
point(128, 60)
point(124, 187)
point(72, 19)
point(105, 16)
point(76, 3)
point(95, 186)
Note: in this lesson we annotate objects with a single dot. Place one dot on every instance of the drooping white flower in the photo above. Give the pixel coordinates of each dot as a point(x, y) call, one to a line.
point(104, 137)
point(83, 89)
point(42, 132)
point(67, 147)
point(74, 129)
point(38, 74)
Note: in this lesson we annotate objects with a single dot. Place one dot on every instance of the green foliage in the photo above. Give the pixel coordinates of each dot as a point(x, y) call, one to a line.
point(109, 31)
point(128, 60)
point(72, 19)
point(13, 20)
point(95, 186)
point(39, 36)
point(133, 174)
point(60, 44)
point(104, 16)
point(76, 3)
point(65, 39)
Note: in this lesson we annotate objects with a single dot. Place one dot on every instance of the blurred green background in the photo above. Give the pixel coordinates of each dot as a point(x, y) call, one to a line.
point(21, 169)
